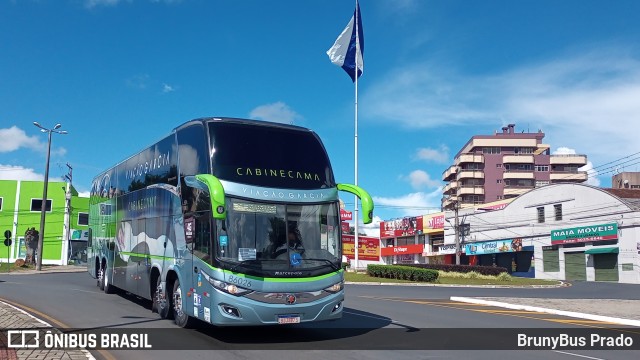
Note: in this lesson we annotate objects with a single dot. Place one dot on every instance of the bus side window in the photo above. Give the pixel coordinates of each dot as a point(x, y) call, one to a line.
point(202, 236)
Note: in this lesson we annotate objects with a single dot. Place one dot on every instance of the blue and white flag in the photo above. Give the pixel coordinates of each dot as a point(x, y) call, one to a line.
point(349, 43)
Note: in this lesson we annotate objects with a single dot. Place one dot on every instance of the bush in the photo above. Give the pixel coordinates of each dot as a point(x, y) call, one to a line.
point(504, 277)
point(402, 273)
point(482, 270)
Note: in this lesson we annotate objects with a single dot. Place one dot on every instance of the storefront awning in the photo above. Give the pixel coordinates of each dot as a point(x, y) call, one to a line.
point(607, 250)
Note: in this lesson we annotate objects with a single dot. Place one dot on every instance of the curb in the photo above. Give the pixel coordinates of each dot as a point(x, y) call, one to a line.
point(85, 352)
point(52, 271)
point(548, 311)
point(562, 284)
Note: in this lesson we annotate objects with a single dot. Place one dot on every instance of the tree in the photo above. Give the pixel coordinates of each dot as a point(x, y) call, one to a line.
point(31, 237)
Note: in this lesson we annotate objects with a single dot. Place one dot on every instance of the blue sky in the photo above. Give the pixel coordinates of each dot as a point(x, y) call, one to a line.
point(120, 74)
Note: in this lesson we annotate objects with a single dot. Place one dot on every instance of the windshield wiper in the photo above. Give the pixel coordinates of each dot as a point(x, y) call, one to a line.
point(244, 262)
point(334, 266)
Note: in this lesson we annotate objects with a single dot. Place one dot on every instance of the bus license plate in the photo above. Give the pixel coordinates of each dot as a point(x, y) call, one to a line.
point(288, 319)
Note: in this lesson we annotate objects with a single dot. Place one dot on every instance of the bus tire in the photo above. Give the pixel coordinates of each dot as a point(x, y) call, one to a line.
point(161, 303)
point(101, 278)
point(180, 317)
point(106, 285)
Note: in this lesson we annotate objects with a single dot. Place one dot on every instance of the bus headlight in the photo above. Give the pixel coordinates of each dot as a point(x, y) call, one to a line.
point(335, 287)
point(229, 288)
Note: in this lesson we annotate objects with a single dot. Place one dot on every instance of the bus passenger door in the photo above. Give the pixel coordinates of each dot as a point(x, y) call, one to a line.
point(202, 253)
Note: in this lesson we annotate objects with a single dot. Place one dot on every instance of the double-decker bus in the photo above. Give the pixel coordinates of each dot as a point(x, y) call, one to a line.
point(229, 221)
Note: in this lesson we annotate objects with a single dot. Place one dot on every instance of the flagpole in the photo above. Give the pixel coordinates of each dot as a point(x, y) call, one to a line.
point(356, 136)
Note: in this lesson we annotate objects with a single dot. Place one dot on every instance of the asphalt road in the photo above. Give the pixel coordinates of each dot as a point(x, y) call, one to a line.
point(379, 322)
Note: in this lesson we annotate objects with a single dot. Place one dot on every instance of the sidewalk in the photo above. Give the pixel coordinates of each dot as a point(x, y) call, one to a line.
point(47, 269)
point(614, 311)
point(12, 318)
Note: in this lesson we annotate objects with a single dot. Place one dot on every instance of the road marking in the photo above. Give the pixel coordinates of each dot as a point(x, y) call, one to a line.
point(578, 355)
point(58, 323)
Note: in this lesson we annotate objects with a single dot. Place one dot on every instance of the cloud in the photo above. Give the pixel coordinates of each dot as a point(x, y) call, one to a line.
point(440, 156)
point(420, 179)
point(277, 112)
point(166, 88)
point(90, 4)
point(14, 138)
point(140, 81)
point(10, 172)
point(581, 99)
point(412, 204)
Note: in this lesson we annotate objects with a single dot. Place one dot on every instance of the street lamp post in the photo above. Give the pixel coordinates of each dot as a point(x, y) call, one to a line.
point(43, 207)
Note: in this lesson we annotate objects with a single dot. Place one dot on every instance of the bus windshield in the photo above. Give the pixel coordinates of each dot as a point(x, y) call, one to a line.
point(268, 238)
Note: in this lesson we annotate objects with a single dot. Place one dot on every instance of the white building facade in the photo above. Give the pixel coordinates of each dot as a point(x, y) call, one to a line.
point(560, 231)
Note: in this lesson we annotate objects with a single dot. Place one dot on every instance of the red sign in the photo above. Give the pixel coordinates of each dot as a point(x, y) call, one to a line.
point(345, 215)
point(368, 247)
point(402, 250)
point(345, 227)
point(401, 227)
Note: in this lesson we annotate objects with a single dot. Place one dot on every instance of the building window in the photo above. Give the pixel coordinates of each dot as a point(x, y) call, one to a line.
point(499, 166)
point(542, 168)
point(499, 181)
point(500, 197)
point(523, 150)
point(491, 150)
point(83, 218)
point(632, 186)
point(542, 183)
point(541, 215)
point(558, 211)
point(36, 205)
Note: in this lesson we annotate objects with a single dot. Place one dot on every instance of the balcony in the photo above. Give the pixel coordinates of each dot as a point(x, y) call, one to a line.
point(470, 174)
point(516, 190)
point(514, 174)
point(517, 159)
point(570, 159)
point(471, 190)
point(568, 176)
point(448, 174)
point(448, 201)
point(450, 188)
point(469, 158)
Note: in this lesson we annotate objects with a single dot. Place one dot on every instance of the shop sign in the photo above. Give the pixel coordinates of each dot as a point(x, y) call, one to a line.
point(345, 215)
point(368, 247)
point(447, 249)
point(433, 223)
point(492, 247)
point(401, 227)
point(585, 234)
point(402, 250)
point(345, 227)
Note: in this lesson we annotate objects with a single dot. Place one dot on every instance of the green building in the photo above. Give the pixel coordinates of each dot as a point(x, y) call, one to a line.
point(20, 210)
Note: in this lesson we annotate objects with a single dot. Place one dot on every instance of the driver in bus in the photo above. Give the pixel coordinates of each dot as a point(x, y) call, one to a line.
point(294, 242)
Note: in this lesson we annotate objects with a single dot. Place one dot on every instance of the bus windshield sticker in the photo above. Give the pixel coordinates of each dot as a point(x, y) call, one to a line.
point(246, 254)
point(223, 240)
point(254, 208)
point(295, 259)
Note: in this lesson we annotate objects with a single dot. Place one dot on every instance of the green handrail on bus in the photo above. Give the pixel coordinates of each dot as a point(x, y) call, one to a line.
point(365, 198)
point(216, 193)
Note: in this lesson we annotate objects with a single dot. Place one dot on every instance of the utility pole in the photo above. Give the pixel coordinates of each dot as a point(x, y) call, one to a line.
point(457, 231)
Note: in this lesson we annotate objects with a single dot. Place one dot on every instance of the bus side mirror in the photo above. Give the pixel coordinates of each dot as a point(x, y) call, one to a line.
point(365, 199)
point(214, 187)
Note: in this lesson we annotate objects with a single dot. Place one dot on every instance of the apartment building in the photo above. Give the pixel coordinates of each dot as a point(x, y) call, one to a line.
point(626, 180)
point(505, 165)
